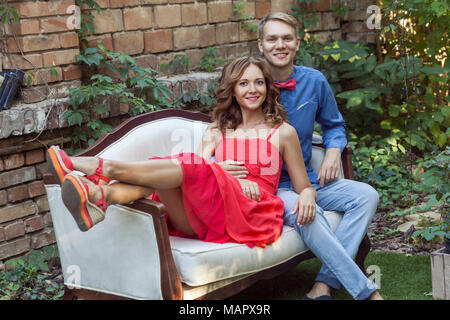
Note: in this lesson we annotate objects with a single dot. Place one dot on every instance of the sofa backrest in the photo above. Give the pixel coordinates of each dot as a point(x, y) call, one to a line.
point(162, 137)
point(173, 133)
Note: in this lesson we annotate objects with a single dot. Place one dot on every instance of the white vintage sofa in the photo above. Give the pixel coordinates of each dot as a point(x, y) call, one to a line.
point(131, 255)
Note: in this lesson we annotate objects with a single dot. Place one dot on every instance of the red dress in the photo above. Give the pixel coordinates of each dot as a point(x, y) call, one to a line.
point(215, 204)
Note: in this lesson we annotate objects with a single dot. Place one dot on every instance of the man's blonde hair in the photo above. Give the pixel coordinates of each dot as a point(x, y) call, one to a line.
point(280, 16)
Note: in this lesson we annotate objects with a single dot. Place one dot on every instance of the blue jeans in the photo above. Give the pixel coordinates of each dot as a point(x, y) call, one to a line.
point(336, 250)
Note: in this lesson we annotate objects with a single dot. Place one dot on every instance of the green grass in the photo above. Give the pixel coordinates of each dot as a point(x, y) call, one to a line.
point(402, 278)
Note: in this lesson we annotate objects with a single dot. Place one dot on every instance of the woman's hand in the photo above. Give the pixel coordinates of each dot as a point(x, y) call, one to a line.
point(235, 168)
point(250, 188)
point(306, 206)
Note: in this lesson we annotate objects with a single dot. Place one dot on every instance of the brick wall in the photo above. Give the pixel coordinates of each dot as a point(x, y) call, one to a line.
point(153, 32)
point(25, 221)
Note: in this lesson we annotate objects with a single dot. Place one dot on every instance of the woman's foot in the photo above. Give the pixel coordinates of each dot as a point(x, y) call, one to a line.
point(59, 163)
point(92, 167)
point(84, 200)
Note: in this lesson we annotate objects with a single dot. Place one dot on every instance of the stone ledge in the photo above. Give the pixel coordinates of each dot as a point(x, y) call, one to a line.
point(33, 118)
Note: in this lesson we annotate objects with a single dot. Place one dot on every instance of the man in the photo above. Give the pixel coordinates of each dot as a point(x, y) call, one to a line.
point(307, 97)
point(313, 100)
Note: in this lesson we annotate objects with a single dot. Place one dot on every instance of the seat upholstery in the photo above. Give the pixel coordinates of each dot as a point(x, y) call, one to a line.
point(201, 262)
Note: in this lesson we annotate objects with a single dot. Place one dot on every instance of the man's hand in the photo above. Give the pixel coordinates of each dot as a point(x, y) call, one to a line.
point(306, 206)
point(331, 166)
point(235, 168)
point(250, 188)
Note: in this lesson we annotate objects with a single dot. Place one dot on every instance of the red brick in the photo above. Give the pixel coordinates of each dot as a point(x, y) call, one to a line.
point(108, 21)
point(14, 248)
point(14, 230)
point(13, 212)
point(54, 24)
point(181, 1)
point(105, 40)
point(130, 42)
point(123, 3)
point(154, 1)
point(207, 36)
point(39, 43)
point(42, 168)
point(34, 156)
point(227, 32)
point(18, 193)
point(69, 40)
point(30, 61)
point(137, 18)
point(18, 176)
point(167, 16)
point(158, 41)
point(147, 61)
point(42, 204)
point(13, 161)
point(3, 197)
point(35, 9)
point(262, 8)
point(56, 58)
point(12, 45)
point(36, 188)
point(193, 14)
point(34, 94)
point(23, 27)
point(220, 11)
point(43, 239)
point(321, 5)
point(45, 75)
point(72, 72)
point(186, 38)
point(48, 219)
point(34, 224)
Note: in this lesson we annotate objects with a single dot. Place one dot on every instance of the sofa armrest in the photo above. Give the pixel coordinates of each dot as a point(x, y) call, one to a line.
point(347, 166)
point(170, 278)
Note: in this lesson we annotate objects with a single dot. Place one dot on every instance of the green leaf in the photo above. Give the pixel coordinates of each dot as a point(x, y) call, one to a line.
point(386, 124)
point(442, 139)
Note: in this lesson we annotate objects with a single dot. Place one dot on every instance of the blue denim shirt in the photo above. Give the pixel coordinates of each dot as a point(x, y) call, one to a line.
point(312, 100)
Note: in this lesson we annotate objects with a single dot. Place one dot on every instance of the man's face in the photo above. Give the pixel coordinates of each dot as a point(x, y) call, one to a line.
point(279, 44)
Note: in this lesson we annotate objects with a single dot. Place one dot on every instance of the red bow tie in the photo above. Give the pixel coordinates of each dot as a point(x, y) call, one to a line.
point(289, 85)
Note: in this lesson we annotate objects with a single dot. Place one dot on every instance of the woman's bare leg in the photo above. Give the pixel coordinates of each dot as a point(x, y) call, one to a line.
point(173, 201)
point(156, 173)
point(119, 193)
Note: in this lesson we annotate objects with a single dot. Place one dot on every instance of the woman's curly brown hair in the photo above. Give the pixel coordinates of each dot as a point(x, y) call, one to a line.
point(227, 114)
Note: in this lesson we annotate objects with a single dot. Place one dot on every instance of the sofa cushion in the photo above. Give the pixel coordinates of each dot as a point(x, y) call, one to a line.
point(200, 262)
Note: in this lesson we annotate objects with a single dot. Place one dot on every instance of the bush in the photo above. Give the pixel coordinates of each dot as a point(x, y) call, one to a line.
point(28, 277)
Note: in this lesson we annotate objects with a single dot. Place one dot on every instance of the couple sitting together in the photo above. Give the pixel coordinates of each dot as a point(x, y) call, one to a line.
point(267, 109)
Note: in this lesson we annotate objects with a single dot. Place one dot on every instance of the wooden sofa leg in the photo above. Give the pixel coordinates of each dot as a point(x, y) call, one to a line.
point(363, 251)
point(68, 294)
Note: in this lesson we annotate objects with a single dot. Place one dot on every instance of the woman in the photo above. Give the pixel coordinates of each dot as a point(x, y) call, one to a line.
point(248, 118)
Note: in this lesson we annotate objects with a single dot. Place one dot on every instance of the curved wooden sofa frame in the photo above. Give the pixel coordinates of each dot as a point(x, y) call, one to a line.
point(170, 279)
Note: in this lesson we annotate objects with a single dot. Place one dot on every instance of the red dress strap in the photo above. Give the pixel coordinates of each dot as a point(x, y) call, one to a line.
point(273, 131)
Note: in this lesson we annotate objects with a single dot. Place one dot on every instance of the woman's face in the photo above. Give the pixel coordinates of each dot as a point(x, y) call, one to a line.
point(250, 90)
